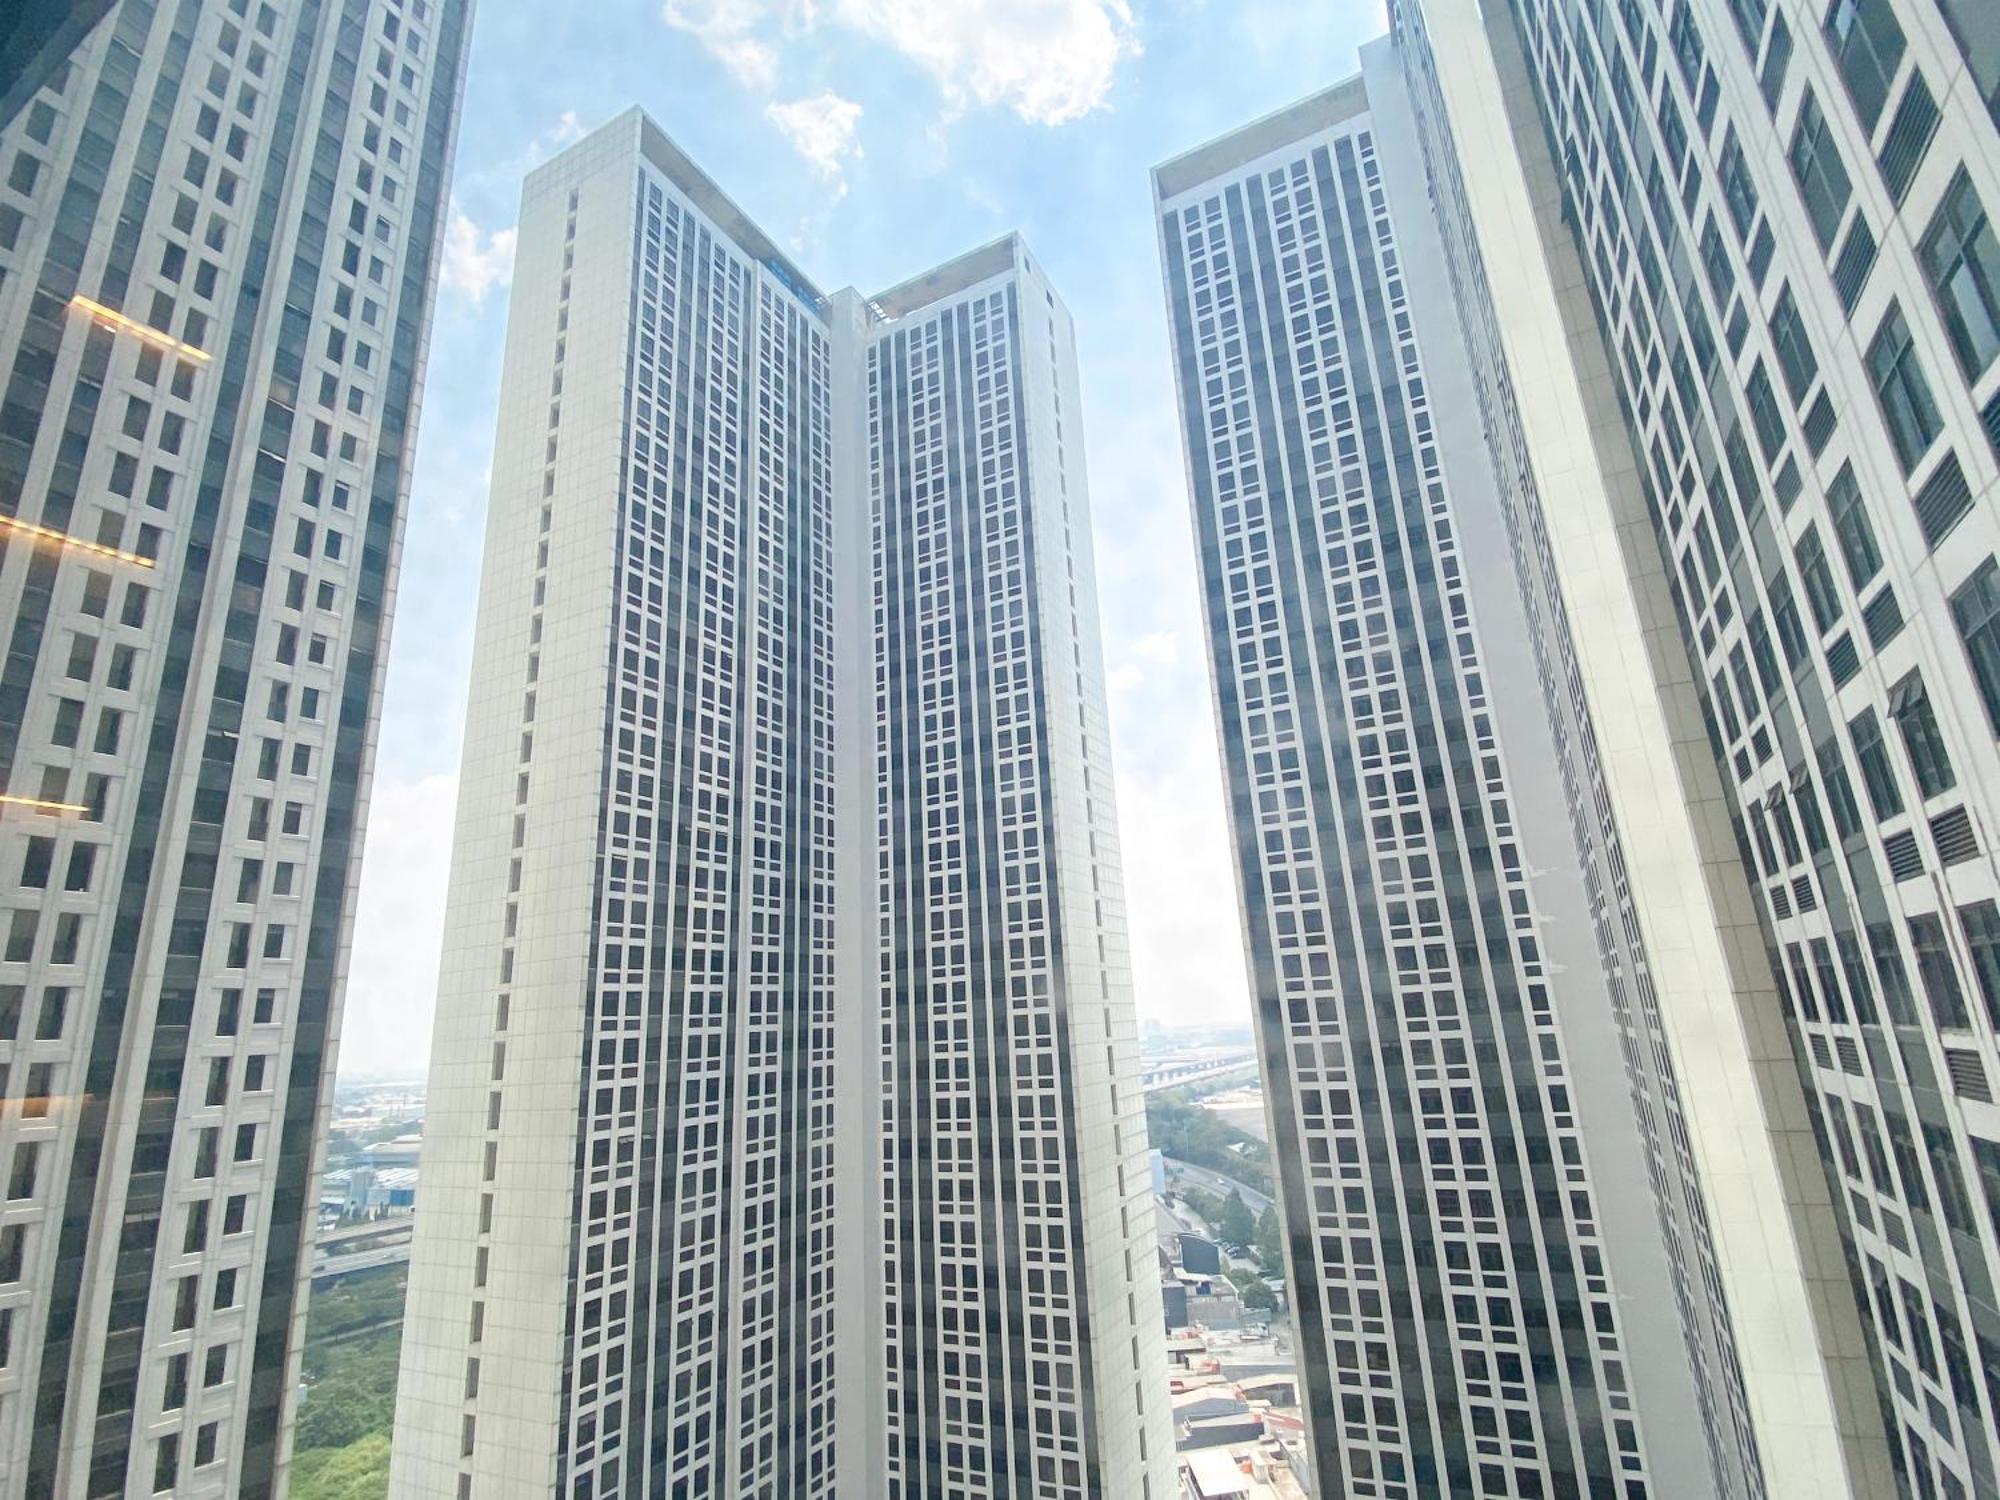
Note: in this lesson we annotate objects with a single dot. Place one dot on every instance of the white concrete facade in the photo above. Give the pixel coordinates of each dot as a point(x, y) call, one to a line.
point(219, 233)
point(1006, 975)
point(1768, 235)
point(1490, 1285)
point(669, 970)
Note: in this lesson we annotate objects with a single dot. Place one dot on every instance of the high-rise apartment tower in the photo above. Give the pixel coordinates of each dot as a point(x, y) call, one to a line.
point(1762, 234)
point(219, 232)
point(784, 1136)
point(1515, 1240)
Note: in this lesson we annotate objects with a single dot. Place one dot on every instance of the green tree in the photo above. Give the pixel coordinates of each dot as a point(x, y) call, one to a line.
point(358, 1471)
point(1270, 1245)
point(1187, 1132)
point(352, 1392)
point(1259, 1298)
point(1236, 1226)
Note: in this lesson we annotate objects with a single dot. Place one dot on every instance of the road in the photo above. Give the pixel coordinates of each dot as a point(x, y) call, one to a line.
point(380, 1242)
point(325, 1267)
point(366, 1229)
point(1173, 1075)
point(1214, 1182)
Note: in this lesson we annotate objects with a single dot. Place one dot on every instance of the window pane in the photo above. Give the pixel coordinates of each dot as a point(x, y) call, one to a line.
point(1939, 978)
point(1877, 775)
point(1901, 389)
point(1852, 526)
point(1867, 43)
point(1910, 703)
point(1976, 609)
point(1796, 359)
point(1819, 171)
point(1962, 264)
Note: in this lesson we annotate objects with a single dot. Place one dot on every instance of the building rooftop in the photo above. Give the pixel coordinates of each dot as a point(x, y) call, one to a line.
point(955, 275)
point(1226, 153)
point(1240, 1471)
point(993, 259)
point(679, 168)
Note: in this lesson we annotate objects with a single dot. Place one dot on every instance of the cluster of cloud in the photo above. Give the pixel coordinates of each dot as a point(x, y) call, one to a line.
point(1049, 61)
point(477, 261)
point(822, 129)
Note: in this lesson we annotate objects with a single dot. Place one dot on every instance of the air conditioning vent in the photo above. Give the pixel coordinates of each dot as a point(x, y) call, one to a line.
point(1906, 860)
point(1787, 484)
point(1820, 1052)
point(1857, 259)
point(1843, 660)
point(1909, 137)
point(1951, 831)
point(1781, 901)
point(1850, 1055)
point(1944, 498)
point(1883, 615)
point(1968, 1075)
point(1819, 424)
point(1802, 892)
point(1991, 417)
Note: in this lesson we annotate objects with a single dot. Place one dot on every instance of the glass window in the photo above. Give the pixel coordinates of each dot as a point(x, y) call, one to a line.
point(1852, 528)
point(1685, 36)
point(1839, 791)
point(1961, 262)
point(1795, 354)
point(1715, 262)
point(1749, 17)
point(1867, 42)
point(1901, 389)
point(1764, 413)
point(1738, 191)
point(1819, 172)
point(1981, 924)
point(1878, 777)
point(1976, 609)
point(1934, 968)
point(1910, 706)
point(1785, 620)
point(1821, 592)
point(1889, 969)
point(1777, 56)
point(1978, 38)
point(167, 1462)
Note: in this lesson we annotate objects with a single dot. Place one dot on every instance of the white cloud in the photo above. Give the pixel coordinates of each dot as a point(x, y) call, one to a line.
point(476, 260)
point(733, 31)
point(398, 927)
point(822, 130)
point(1180, 887)
point(1049, 61)
point(1129, 672)
point(566, 131)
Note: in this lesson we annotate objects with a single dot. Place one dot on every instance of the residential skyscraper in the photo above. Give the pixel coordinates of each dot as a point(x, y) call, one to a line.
point(219, 232)
point(1515, 1236)
point(1025, 1338)
point(784, 1135)
point(1762, 234)
point(37, 38)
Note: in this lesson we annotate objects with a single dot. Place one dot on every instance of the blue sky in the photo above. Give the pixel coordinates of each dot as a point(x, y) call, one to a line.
point(874, 138)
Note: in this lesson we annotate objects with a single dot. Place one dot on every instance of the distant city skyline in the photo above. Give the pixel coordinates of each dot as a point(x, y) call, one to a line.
point(955, 146)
